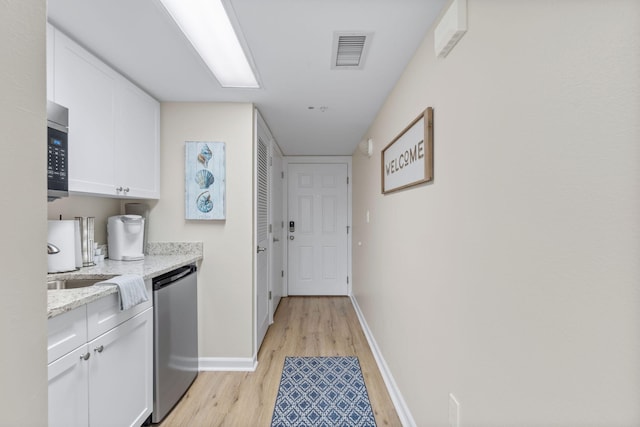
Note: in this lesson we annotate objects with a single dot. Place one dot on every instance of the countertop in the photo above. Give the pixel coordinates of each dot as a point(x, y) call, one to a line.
point(161, 260)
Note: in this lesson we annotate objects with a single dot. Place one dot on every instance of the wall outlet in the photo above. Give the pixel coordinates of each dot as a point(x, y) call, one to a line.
point(454, 411)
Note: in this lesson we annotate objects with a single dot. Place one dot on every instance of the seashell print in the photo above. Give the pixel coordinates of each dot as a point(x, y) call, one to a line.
point(205, 155)
point(204, 203)
point(204, 178)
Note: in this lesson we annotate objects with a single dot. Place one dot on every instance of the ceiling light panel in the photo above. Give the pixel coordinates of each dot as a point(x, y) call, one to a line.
point(207, 26)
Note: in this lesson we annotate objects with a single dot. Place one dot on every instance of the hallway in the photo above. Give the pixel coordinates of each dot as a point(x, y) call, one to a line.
point(304, 326)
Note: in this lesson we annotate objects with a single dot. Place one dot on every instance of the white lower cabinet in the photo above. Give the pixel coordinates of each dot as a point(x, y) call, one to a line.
point(69, 390)
point(120, 374)
point(108, 380)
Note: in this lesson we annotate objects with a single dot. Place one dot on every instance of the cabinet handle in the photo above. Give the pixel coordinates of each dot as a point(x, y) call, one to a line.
point(99, 349)
point(119, 189)
point(85, 356)
point(126, 189)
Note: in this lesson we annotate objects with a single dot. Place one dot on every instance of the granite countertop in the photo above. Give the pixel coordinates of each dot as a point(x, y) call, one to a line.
point(162, 258)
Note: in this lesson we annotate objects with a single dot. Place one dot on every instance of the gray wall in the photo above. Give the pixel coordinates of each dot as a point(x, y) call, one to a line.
point(513, 279)
point(23, 214)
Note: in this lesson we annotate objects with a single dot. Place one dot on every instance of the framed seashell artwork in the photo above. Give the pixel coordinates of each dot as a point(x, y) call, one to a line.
point(205, 170)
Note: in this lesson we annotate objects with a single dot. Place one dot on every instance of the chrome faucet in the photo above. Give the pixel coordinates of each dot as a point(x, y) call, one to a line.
point(52, 249)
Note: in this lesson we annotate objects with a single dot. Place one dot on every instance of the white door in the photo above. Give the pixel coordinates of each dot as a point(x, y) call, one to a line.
point(317, 229)
point(262, 239)
point(278, 236)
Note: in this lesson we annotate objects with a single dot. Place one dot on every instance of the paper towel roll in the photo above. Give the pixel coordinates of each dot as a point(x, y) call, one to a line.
point(78, 240)
point(62, 234)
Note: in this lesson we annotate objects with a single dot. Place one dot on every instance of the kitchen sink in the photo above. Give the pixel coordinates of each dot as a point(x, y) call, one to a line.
point(70, 283)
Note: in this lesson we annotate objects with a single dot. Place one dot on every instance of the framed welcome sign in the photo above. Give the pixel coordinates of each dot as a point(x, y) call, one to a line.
point(408, 159)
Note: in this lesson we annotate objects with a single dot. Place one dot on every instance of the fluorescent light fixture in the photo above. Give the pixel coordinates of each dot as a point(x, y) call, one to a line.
point(207, 26)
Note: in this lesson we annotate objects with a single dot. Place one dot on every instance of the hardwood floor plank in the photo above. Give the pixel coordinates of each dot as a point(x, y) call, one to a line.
point(303, 326)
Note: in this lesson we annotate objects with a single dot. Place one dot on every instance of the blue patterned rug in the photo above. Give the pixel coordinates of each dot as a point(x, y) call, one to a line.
point(322, 391)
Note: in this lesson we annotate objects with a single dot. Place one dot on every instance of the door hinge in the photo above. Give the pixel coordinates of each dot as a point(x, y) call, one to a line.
point(281, 273)
point(270, 228)
point(348, 229)
point(282, 175)
point(269, 295)
point(347, 280)
point(347, 180)
point(270, 161)
point(282, 224)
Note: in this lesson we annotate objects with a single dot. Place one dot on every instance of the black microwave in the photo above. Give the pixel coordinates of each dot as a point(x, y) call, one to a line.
point(57, 151)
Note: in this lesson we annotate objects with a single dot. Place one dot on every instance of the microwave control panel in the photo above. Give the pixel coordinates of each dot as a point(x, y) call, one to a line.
point(57, 160)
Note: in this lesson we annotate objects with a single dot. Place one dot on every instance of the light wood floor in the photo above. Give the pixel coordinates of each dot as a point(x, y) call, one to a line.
point(303, 326)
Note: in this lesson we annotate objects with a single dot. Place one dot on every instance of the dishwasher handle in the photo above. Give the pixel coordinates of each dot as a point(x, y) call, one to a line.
point(172, 276)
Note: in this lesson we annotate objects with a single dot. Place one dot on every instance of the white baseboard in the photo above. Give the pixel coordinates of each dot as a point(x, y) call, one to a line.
point(227, 364)
point(396, 397)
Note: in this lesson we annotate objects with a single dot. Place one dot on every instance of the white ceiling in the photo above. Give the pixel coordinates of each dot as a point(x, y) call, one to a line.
point(290, 42)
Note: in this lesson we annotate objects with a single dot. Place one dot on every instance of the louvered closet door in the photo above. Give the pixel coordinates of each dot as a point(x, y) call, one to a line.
point(262, 230)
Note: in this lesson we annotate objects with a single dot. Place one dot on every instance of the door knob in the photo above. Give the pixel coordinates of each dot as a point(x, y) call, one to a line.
point(291, 237)
point(261, 249)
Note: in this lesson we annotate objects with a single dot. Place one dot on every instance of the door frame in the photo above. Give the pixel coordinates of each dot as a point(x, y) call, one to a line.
point(319, 160)
point(276, 183)
point(272, 147)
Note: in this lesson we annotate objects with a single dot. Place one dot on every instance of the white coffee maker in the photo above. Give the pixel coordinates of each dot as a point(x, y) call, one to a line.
point(125, 237)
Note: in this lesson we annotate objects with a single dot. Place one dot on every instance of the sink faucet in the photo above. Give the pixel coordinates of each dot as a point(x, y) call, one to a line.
point(52, 249)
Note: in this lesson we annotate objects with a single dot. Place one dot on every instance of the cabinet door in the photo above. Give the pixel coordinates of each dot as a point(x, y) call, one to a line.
point(120, 378)
point(137, 142)
point(69, 390)
point(87, 87)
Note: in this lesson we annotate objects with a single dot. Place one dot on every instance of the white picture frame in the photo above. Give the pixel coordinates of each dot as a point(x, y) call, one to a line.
point(205, 176)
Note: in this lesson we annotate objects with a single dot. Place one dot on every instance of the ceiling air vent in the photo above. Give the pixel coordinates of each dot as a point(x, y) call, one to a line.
point(349, 50)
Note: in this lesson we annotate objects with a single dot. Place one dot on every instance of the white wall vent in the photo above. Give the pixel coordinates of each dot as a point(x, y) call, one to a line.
point(451, 28)
point(349, 50)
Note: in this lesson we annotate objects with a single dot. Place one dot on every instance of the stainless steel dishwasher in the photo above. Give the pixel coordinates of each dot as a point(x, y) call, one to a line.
point(175, 333)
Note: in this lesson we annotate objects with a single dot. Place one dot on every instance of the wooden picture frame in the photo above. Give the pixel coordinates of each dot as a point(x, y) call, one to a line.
point(408, 159)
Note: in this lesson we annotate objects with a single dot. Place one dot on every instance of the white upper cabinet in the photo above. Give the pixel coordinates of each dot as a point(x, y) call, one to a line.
point(137, 142)
point(114, 138)
point(87, 88)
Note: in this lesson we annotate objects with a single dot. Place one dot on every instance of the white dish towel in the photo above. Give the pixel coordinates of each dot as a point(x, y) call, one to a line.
point(131, 289)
